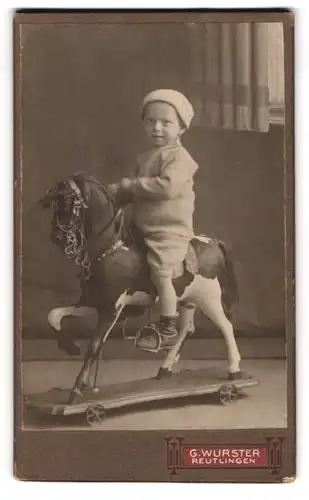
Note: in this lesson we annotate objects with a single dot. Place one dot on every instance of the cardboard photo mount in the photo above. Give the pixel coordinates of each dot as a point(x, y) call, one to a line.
point(154, 456)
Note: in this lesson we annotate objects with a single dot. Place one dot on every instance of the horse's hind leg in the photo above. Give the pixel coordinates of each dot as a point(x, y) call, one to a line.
point(208, 299)
point(186, 327)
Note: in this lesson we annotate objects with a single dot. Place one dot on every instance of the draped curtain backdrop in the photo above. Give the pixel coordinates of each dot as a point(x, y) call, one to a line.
point(229, 75)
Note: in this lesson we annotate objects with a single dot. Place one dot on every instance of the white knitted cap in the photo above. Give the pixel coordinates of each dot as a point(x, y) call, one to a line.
point(175, 99)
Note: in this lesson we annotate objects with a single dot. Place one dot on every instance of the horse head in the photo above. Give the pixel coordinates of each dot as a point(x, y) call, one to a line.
point(84, 217)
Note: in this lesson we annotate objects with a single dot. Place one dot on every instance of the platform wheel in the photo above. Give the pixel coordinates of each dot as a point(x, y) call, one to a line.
point(95, 414)
point(228, 394)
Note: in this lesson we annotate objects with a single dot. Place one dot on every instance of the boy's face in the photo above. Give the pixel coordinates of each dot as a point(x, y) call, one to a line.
point(162, 124)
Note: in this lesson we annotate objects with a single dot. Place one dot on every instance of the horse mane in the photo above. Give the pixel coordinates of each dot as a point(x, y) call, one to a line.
point(127, 233)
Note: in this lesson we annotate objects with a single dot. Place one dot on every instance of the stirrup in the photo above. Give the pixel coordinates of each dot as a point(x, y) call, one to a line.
point(156, 340)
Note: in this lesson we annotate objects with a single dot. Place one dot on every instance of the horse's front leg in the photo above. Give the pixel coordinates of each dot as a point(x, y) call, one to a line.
point(93, 352)
point(186, 328)
point(83, 376)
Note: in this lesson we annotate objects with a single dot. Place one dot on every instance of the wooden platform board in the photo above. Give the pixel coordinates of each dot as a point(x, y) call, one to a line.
point(184, 384)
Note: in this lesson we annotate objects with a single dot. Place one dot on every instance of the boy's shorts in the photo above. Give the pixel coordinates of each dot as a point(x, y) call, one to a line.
point(166, 253)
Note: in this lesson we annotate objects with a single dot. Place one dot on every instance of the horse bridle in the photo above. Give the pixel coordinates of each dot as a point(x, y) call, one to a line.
point(74, 250)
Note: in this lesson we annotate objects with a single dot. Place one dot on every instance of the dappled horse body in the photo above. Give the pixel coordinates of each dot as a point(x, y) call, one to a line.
point(88, 224)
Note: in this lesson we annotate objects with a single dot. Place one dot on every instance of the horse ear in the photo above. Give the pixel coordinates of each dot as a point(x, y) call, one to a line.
point(81, 175)
point(80, 178)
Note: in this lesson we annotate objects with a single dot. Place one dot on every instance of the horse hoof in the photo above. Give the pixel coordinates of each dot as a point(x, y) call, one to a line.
point(164, 373)
point(72, 398)
point(69, 347)
point(240, 375)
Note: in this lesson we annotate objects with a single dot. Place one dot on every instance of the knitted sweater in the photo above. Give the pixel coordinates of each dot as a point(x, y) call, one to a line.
point(163, 192)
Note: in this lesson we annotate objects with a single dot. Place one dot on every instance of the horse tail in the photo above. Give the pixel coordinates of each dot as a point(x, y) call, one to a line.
point(228, 281)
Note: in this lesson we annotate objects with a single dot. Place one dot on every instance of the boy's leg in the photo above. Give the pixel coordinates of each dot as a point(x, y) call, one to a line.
point(167, 295)
point(168, 303)
point(164, 254)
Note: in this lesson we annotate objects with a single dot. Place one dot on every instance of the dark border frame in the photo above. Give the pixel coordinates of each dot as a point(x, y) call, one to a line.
point(141, 455)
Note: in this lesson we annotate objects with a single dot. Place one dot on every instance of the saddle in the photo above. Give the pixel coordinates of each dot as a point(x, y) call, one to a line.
point(201, 257)
point(190, 263)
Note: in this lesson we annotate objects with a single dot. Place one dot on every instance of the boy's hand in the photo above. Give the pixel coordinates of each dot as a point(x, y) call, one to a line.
point(122, 192)
point(125, 183)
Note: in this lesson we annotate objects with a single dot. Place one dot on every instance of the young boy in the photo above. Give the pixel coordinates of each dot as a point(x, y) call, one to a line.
point(162, 195)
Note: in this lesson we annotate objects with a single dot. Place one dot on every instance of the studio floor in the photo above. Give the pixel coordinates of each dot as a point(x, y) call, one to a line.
point(264, 406)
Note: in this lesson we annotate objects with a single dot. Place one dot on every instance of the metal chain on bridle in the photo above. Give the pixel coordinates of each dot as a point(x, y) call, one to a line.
point(76, 242)
point(75, 247)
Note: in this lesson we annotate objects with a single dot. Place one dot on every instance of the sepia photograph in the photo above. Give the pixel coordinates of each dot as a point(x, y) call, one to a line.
point(153, 238)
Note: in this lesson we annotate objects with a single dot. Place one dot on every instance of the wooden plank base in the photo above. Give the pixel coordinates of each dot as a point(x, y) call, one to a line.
point(186, 383)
